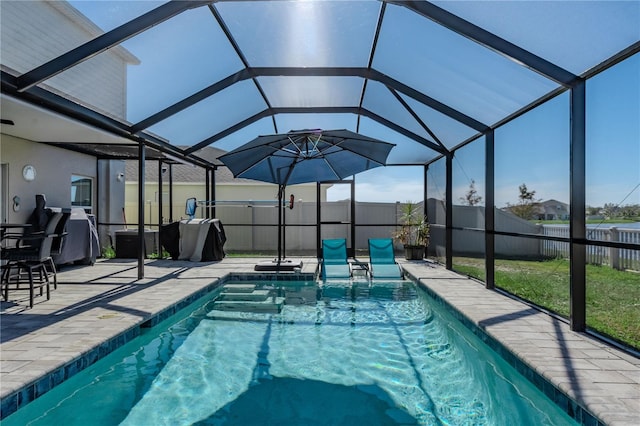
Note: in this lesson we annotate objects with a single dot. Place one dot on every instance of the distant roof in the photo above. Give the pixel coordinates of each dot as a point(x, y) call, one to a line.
point(554, 202)
point(184, 173)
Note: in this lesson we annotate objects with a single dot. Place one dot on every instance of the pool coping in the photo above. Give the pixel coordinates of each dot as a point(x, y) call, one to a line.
point(563, 401)
point(594, 383)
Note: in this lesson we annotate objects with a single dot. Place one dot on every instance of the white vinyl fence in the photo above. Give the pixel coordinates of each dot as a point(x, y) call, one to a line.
point(253, 228)
point(616, 258)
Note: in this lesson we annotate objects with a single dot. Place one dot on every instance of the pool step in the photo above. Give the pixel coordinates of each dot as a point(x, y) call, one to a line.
point(270, 305)
point(238, 288)
point(256, 295)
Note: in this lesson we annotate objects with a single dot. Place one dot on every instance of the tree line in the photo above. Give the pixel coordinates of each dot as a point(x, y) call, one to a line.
point(528, 205)
point(613, 211)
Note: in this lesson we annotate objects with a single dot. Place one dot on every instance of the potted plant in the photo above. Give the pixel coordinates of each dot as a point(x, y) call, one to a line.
point(413, 232)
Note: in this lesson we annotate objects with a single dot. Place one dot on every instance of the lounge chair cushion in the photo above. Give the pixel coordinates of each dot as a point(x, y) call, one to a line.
point(382, 259)
point(382, 270)
point(336, 271)
point(334, 259)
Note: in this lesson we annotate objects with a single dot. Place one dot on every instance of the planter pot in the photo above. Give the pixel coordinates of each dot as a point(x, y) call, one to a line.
point(414, 252)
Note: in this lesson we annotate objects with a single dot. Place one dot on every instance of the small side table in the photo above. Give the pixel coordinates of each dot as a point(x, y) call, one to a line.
point(359, 268)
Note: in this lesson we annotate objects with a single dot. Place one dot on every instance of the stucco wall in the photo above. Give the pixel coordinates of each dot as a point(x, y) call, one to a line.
point(54, 167)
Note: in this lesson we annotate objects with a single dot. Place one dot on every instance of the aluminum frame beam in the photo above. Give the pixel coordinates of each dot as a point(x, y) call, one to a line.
point(577, 218)
point(227, 32)
point(105, 41)
point(416, 117)
point(315, 110)
point(365, 73)
point(52, 102)
point(141, 188)
point(448, 243)
point(489, 211)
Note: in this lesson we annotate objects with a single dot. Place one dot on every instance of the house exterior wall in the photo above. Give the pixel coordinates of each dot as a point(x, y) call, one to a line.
point(110, 194)
point(33, 32)
point(554, 210)
point(54, 167)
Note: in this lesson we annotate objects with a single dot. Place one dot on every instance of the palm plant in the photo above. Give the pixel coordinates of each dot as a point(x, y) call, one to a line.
point(414, 227)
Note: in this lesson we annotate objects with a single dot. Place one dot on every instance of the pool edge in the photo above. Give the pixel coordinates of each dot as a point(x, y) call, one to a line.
point(571, 407)
point(28, 393)
point(19, 398)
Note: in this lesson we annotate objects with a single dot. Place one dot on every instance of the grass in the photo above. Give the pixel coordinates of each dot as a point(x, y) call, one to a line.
point(613, 297)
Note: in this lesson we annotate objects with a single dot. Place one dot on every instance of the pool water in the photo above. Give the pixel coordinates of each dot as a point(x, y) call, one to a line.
point(345, 353)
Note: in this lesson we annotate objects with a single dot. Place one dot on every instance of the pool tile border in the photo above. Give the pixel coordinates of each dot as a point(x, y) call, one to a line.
point(262, 276)
point(567, 404)
point(30, 392)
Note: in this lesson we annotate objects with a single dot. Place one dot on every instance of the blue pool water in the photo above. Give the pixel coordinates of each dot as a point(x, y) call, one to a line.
point(356, 353)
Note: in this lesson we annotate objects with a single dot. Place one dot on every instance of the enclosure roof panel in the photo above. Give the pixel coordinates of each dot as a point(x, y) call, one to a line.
point(432, 76)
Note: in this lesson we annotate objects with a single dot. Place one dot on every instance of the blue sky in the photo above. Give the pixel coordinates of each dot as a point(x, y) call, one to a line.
point(533, 149)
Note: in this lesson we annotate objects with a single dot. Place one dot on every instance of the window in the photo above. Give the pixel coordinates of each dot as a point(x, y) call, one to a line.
point(82, 192)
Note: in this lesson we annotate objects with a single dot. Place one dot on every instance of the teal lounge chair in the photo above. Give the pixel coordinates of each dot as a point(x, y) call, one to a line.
point(334, 259)
point(382, 259)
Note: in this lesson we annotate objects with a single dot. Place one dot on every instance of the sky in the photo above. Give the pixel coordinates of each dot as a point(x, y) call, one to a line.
point(532, 149)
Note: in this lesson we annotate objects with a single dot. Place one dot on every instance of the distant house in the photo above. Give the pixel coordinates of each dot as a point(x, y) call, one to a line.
point(189, 181)
point(553, 210)
point(544, 210)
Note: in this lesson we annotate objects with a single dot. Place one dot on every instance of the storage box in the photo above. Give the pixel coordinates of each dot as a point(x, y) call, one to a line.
point(127, 243)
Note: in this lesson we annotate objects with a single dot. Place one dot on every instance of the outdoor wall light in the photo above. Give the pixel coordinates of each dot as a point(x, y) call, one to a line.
point(29, 173)
point(16, 203)
point(120, 177)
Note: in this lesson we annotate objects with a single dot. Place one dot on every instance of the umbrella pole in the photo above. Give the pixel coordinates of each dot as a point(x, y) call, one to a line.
point(284, 225)
point(280, 198)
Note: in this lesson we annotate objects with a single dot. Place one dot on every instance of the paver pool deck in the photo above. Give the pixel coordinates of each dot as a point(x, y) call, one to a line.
point(94, 306)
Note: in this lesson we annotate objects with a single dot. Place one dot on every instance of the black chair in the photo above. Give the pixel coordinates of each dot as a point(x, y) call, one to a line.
point(30, 256)
point(57, 244)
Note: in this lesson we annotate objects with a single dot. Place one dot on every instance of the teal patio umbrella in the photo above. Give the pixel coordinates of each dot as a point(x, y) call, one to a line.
point(303, 156)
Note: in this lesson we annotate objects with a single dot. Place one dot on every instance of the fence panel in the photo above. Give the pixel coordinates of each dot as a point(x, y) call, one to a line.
point(616, 258)
point(555, 249)
point(627, 259)
point(254, 229)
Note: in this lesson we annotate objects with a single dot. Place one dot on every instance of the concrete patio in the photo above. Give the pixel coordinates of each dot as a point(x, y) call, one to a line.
point(95, 309)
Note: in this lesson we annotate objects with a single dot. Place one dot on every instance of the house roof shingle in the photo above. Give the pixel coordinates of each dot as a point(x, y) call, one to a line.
point(184, 173)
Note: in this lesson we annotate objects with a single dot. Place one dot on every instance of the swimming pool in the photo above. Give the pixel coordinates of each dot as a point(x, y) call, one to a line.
point(300, 353)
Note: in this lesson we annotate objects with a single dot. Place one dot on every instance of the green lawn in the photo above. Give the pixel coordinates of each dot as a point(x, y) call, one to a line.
point(613, 297)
